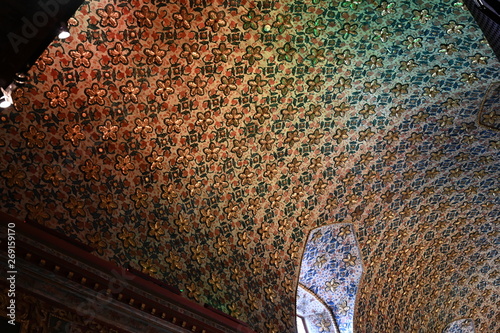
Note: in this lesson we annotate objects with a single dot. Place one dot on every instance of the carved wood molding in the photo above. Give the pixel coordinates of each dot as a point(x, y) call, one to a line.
point(95, 289)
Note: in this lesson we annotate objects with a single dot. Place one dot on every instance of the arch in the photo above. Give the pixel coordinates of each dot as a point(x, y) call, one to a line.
point(316, 314)
point(331, 268)
point(465, 325)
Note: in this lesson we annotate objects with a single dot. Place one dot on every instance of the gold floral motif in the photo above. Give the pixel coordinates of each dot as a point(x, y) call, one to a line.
point(174, 262)
point(304, 217)
point(220, 183)
point(227, 85)
point(81, 56)
point(315, 84)
point(285, 85)
point(74, 134)
point(184, 156)
point(282, 22)
point(119, 54)
point(286, 52)
point(275, 199)
point(109, 16)
point(154, 55)
point(350, 260)
point(452, 27)
point(216, 20)
point(252, 302)
point(147, 267)
point(127, 237)
point(20, 100)
point(412, 42)
point(140, 199)
point(367, 110)
point(190, 52)
point(34, 137)
point(243, 241)
point(422, 16)
point(267, 142)
point(184, 226)
point(95, 94)
point(221, 246)
point(231, 211)
point(236, 274)
point(145, 17)
point(262, 113)
point(479, 59)
point(408, 65)
point(251, 20)
point(96, 242)
point(14, 176)
point(194, 187)
point(107, 203)
point(143, 127)
point(221, 53)
point(294, 165)
point(197, 86)
point(130, 92)
point(193, 292)
point(292, 138)
point(52, 174)
point(215, 282)
point(316, 55)
point(264, 231)
point(36, 212)
point(183, 18)
point(448, 49)
point(57, 97)
point(44, 61)
point(289, 112)
point(233, 117)
point(315, 27)
point(270, 294)
point(256, 85)
point(366, 134)
point(75, 207)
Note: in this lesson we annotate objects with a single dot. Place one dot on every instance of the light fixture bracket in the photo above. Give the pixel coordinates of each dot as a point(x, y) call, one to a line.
point(6, 98)
point(63, 31)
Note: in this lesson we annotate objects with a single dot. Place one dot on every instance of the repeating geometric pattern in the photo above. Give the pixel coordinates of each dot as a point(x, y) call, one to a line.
point(317, 317)
point(202, 140)
point(460, 326)
point(331, 268)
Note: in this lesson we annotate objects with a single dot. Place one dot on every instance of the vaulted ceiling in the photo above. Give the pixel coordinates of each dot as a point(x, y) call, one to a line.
point(201, 141)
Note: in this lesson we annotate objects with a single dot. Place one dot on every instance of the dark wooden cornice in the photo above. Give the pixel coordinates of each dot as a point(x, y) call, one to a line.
point(40, 251)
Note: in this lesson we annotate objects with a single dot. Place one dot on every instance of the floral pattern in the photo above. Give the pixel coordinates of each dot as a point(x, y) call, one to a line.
point(237, 127)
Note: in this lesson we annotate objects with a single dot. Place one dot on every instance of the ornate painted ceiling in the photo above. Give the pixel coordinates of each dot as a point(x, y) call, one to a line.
point(201, 141)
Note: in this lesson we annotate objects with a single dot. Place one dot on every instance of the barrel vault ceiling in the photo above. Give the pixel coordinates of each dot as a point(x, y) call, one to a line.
point(201, 141)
